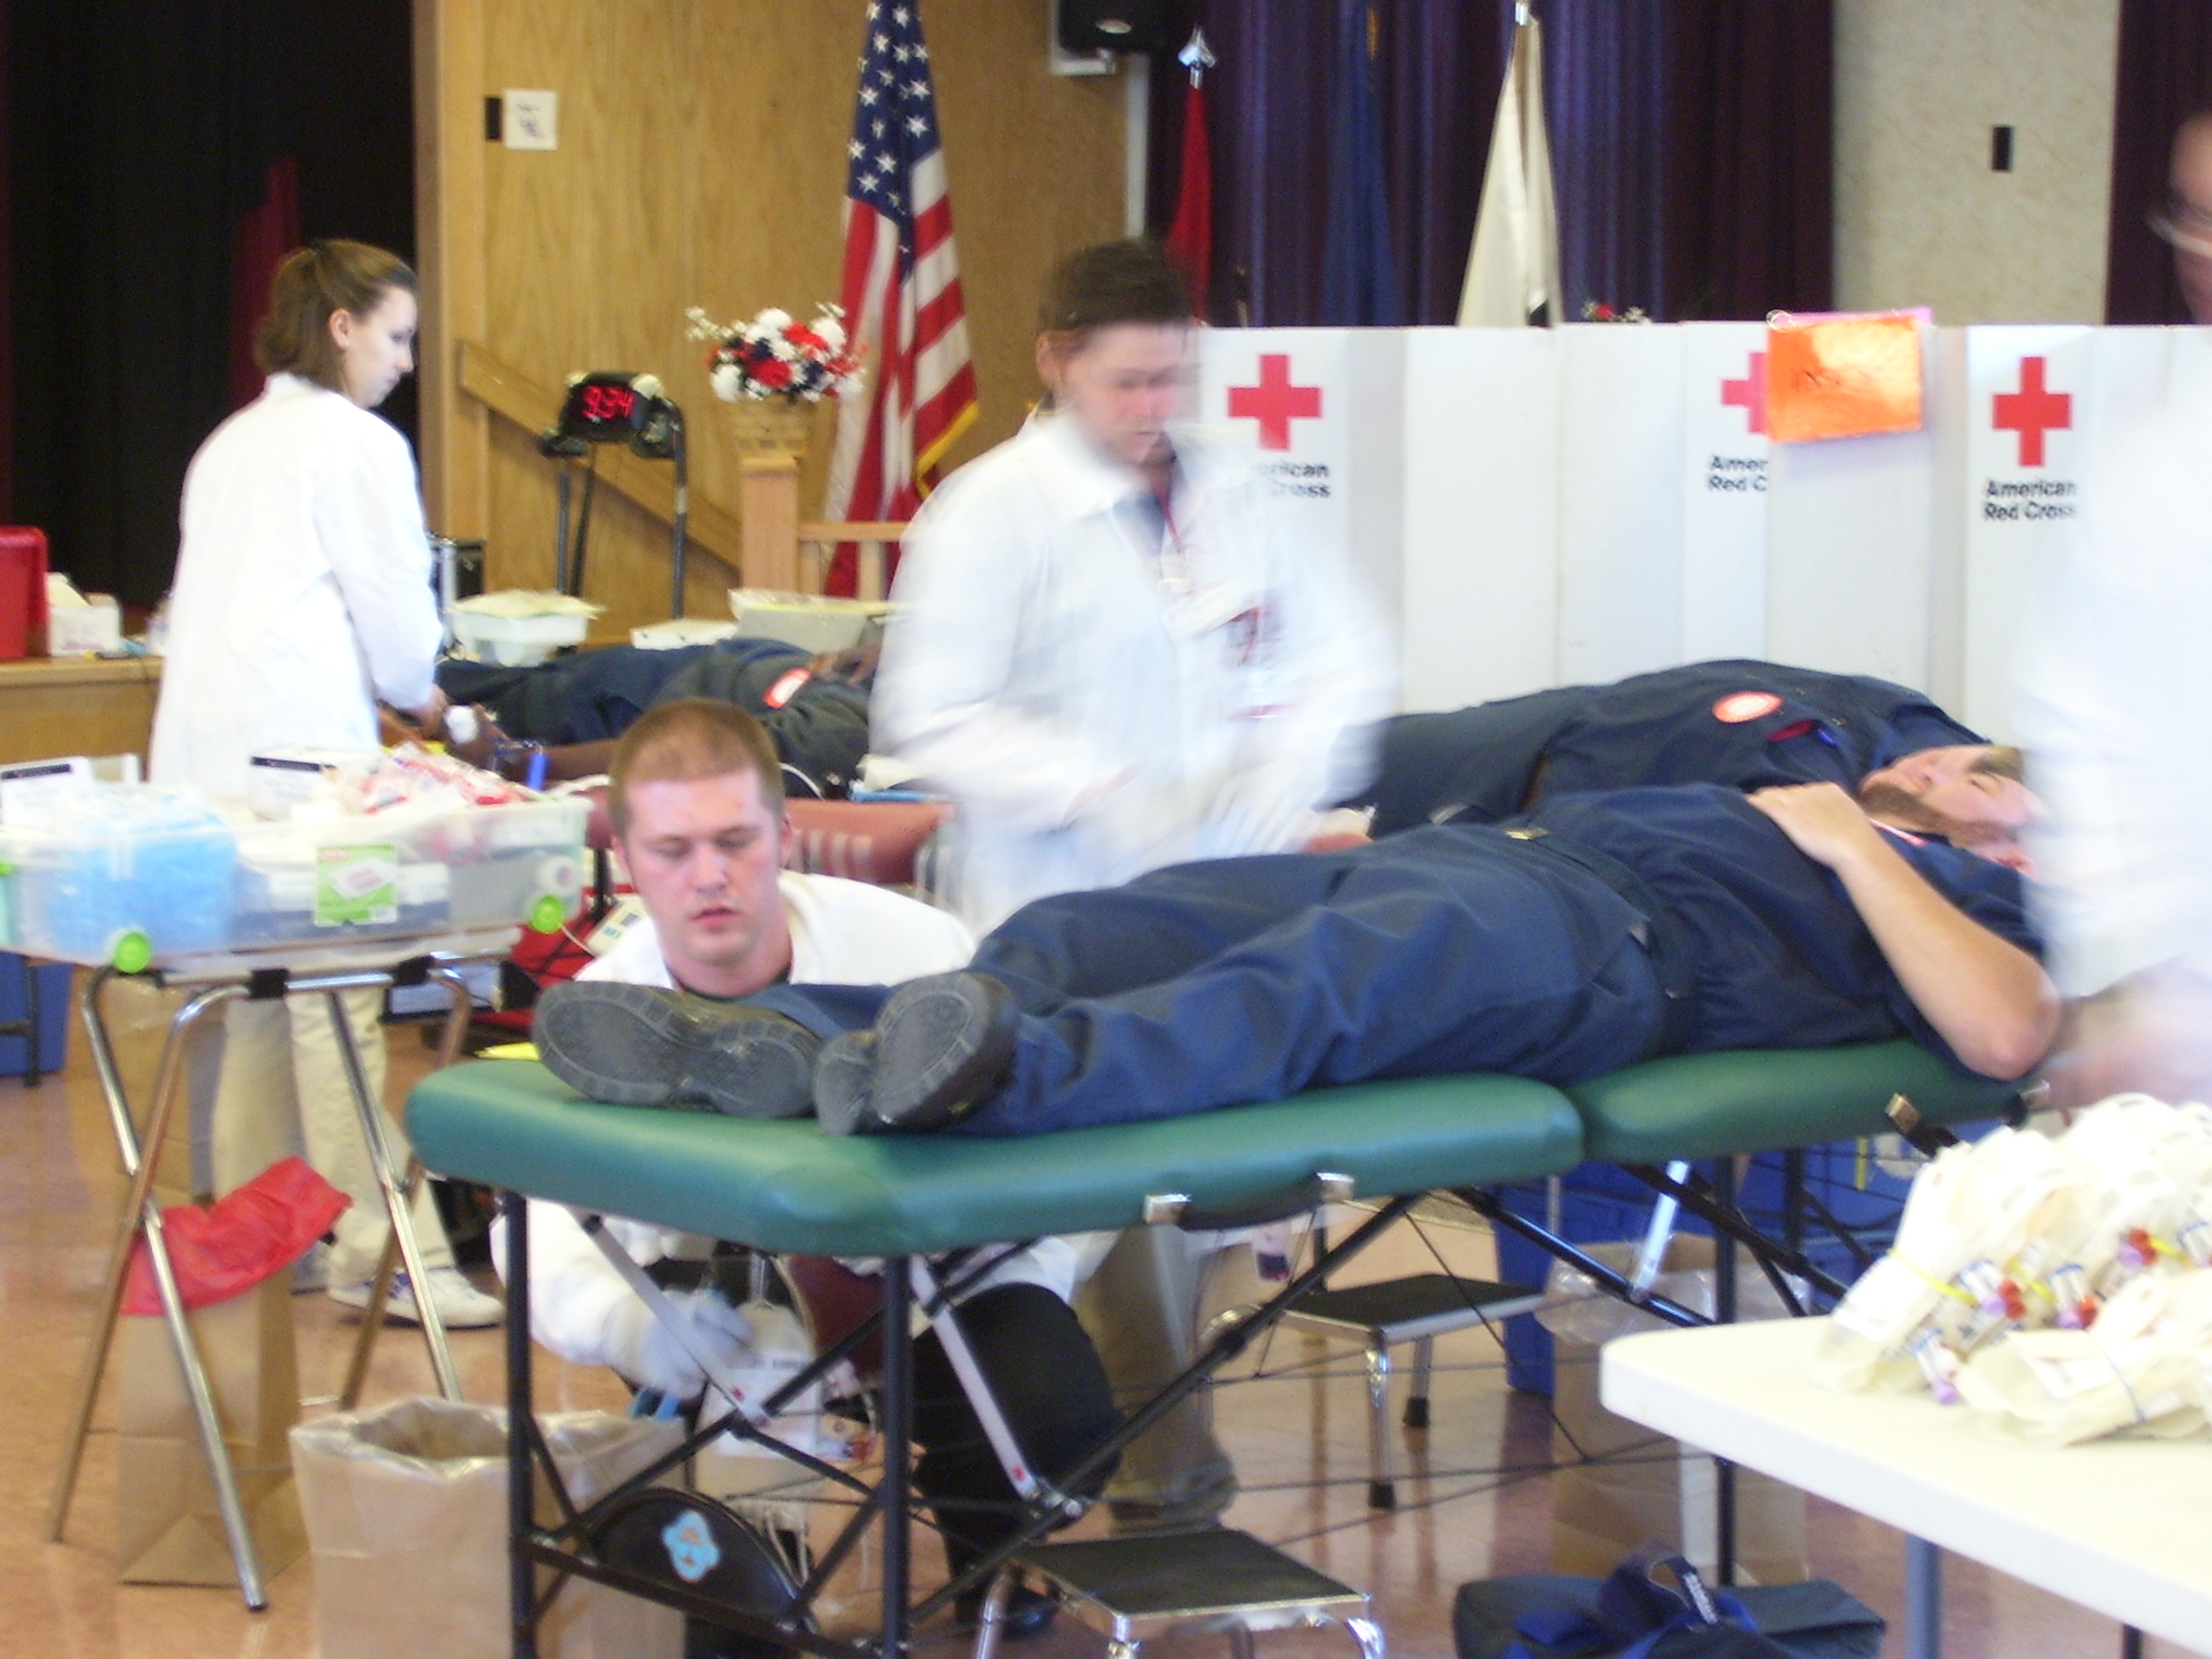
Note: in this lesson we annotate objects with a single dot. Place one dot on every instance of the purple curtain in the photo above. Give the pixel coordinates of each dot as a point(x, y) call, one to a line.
point(2165, 75)
point(1603, 91)
point(1689, 149)
point(1749, 186)
point(1437, 74)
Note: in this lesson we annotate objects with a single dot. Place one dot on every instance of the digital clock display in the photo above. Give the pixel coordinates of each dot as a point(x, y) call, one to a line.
point(610, 406)
point(613, 405)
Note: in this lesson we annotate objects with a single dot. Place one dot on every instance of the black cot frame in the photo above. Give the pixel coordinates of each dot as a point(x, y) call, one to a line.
point(564, 1546)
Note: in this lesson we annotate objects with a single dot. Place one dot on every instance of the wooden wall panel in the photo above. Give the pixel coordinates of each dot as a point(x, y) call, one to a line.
point(702, 161)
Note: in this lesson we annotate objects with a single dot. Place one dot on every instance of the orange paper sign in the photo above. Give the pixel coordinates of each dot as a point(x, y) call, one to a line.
point(1843, 376)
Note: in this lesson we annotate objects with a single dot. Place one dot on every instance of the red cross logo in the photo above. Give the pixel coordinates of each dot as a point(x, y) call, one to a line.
point(2031, 410)
point(1275, 402)
point(1749, 394)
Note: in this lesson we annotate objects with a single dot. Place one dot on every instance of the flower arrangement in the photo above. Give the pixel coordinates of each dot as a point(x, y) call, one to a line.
point(772, 356)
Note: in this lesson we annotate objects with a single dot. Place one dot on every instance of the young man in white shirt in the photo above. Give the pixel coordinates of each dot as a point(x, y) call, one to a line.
point(697, 808)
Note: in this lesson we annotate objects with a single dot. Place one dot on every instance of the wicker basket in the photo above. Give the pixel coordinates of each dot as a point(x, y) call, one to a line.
point(770, 425)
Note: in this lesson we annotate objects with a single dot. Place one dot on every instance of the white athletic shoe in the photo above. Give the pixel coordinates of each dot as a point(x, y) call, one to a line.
point(459, 1305)
point(312, 1271)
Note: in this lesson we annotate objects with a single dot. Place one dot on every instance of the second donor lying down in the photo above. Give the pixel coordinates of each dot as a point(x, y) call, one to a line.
point(1600, 930)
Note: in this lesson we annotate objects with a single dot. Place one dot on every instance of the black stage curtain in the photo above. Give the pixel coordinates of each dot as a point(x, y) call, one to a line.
point(1749, 176)
point(2165, 75)
point(140, 133)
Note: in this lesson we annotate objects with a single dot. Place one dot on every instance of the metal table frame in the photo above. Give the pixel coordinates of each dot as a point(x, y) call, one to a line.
point(911, 1284)
point(214, 987)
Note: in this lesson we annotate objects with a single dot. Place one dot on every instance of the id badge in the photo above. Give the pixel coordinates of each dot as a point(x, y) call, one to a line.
point(1205, 610)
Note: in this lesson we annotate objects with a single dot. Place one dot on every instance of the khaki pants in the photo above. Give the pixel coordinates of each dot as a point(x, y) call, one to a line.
point(1142, 1308)
point(283, 1089)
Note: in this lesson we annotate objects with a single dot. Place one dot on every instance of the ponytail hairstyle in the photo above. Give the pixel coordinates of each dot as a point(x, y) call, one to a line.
point(312, 283)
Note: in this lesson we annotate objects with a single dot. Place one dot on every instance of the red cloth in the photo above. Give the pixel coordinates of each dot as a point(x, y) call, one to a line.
point(224, 1249)
point(1190, 238)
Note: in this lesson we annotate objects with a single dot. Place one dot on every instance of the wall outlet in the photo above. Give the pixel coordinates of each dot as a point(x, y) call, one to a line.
point(531, 118)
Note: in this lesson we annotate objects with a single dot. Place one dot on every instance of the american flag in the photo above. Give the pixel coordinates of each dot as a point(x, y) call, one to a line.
point(901, 291)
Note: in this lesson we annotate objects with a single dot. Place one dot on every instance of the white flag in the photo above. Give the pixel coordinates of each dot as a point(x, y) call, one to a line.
point(1513, 268)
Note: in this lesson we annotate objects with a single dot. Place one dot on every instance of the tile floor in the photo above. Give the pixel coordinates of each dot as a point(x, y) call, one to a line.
point(1299, 1436)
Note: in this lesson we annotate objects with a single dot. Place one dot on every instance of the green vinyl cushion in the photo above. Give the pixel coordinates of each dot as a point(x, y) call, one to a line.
point(1768, 1099)
point(787, 1186)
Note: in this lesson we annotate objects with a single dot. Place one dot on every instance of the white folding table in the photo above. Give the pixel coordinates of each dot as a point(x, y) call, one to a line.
point(2121, 1526)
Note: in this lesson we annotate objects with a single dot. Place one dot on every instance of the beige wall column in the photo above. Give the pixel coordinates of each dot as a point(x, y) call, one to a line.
point(1920, 216)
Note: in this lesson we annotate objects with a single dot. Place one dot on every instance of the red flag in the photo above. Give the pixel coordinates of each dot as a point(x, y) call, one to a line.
point(1190, 239)
point(902, 292)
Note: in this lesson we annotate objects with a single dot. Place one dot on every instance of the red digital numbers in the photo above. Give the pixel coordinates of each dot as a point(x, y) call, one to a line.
point(607, 404)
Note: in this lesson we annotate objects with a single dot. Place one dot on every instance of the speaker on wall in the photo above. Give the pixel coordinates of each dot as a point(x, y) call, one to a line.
point(1114, 25)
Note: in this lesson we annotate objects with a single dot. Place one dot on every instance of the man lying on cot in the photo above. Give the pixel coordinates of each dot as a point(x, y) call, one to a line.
point(1740, 723)
point(698, 817)
point(561, 718)
point(1598, 931)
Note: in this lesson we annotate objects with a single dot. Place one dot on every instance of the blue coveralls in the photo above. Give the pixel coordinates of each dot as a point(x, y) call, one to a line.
point(819, 724)
point(1674, 726)
point(1453, 947)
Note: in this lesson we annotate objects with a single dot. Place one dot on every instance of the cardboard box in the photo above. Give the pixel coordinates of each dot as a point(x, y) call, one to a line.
point(1642, 1488)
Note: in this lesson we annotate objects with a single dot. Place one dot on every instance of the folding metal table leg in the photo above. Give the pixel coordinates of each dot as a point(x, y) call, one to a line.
point(371, 1112)
point(1923, 1599)
point(1417, 1402)
point(522, 1472)
point(142, 1216)
point(1382, 1483)
point(897, 1451)
point(380, 1286)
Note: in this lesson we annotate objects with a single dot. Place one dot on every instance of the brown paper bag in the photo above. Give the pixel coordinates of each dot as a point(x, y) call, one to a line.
point(407, 1510)
point(168, 1529)
point(138, 1015)
point(1646, 1488)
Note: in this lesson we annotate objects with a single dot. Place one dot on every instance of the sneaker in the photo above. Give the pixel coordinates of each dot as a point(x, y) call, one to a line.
point(941, 1046)
point(641, 1046)
point(459, 1305)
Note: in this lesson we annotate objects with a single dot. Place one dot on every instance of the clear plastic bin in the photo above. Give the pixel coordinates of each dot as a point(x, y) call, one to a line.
point(147, 880)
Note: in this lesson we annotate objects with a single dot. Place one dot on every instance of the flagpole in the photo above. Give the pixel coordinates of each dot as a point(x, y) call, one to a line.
point(1137, 145)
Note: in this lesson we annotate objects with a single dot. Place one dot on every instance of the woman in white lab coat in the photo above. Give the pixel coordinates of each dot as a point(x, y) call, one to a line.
point(302, 599)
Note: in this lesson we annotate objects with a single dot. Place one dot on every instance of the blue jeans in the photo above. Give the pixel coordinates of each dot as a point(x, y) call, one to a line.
point(1444, 949)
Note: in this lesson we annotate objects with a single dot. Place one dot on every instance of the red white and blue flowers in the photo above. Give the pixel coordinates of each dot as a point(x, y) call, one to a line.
point(772, 356)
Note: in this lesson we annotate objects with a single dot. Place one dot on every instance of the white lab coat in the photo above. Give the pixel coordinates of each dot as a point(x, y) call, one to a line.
point(302, 592)
point(842, 932)
point(1101, 699)
point(2115, 700)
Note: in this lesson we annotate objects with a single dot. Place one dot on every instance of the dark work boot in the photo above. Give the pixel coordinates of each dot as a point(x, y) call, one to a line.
point(941, 1046)
point(641, 1046)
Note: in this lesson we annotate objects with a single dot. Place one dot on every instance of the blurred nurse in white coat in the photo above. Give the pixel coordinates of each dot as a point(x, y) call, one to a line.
point(303, 600)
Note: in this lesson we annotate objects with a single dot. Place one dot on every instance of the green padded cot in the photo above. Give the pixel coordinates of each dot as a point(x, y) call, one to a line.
point(1770, 1099)
point(788, 1188)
